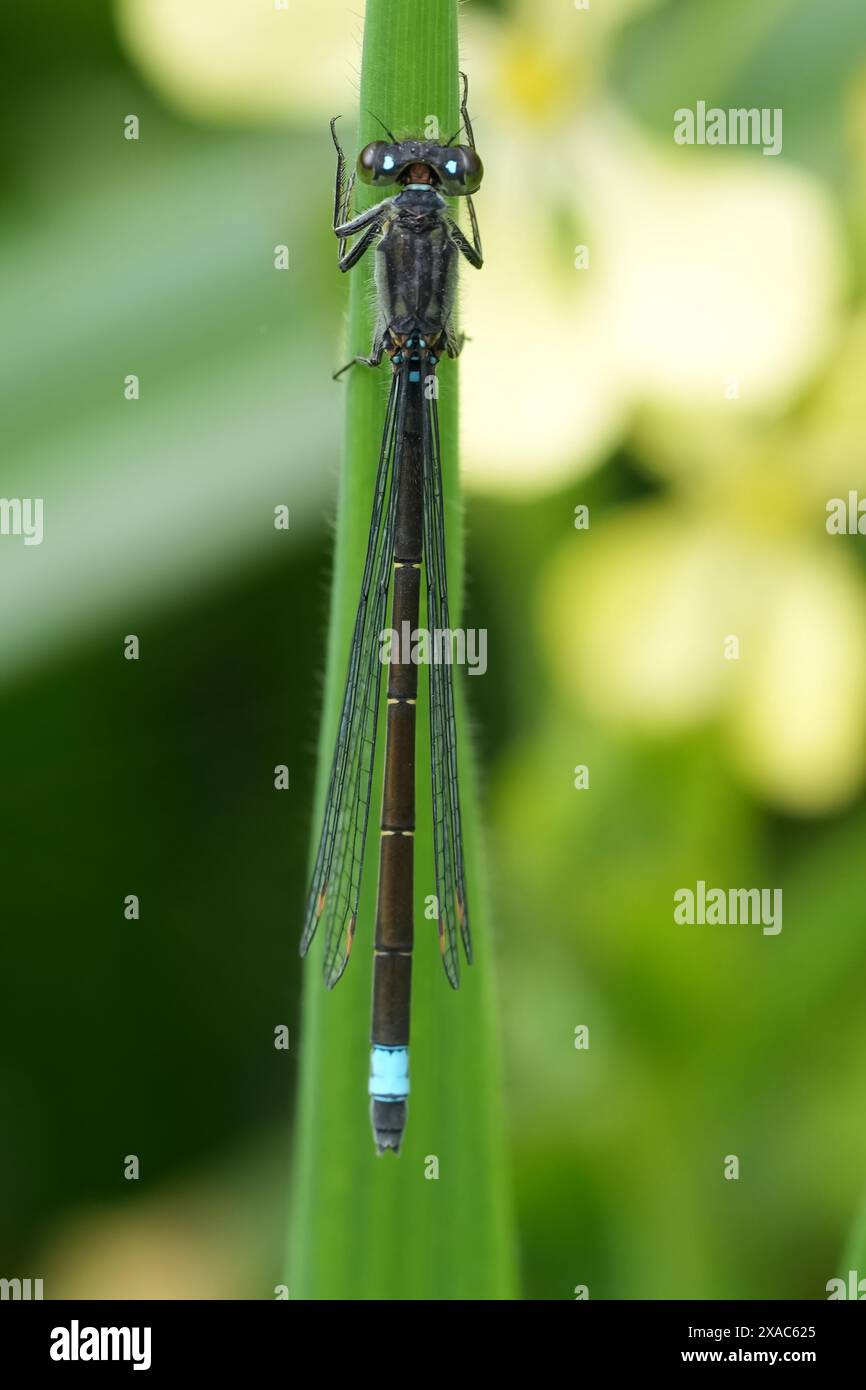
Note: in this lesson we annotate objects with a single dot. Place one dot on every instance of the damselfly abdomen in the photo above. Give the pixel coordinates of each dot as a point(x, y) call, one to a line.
point(417, 243)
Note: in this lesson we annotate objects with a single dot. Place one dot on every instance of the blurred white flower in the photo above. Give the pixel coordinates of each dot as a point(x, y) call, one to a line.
point(707, 274)
point(243, 62)
point(638, 611)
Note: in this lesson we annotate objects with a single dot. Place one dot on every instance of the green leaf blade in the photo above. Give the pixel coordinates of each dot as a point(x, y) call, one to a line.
point(364, 1226)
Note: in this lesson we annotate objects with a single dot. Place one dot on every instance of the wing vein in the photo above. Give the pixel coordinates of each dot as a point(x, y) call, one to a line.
point(336, 880)
point(447, 826)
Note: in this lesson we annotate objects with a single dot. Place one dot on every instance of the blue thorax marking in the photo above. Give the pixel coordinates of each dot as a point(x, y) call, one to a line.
point(415, 355)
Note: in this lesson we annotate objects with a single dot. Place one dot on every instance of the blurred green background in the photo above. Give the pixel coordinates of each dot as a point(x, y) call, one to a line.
point(698, 385)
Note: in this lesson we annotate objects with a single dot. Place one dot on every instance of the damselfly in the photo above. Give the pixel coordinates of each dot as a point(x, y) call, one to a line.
point(416, 247)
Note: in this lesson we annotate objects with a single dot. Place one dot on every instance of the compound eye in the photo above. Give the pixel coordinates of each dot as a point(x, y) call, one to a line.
point(460, 169)
point(376, 164)
point(473, 169)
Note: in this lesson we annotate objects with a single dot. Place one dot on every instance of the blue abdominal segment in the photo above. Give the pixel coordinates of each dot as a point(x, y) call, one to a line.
point(389, 1073)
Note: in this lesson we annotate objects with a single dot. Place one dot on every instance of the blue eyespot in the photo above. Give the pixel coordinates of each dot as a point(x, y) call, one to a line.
point(451, 166)
point(388, 162)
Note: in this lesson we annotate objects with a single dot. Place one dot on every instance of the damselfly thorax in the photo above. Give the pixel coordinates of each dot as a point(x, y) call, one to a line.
point(417, 243)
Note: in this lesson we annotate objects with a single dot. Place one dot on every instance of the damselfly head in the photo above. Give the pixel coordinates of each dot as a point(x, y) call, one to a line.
point(454, 169)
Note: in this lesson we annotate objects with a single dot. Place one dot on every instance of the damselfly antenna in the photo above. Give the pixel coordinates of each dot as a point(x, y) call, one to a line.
point(391, 136)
